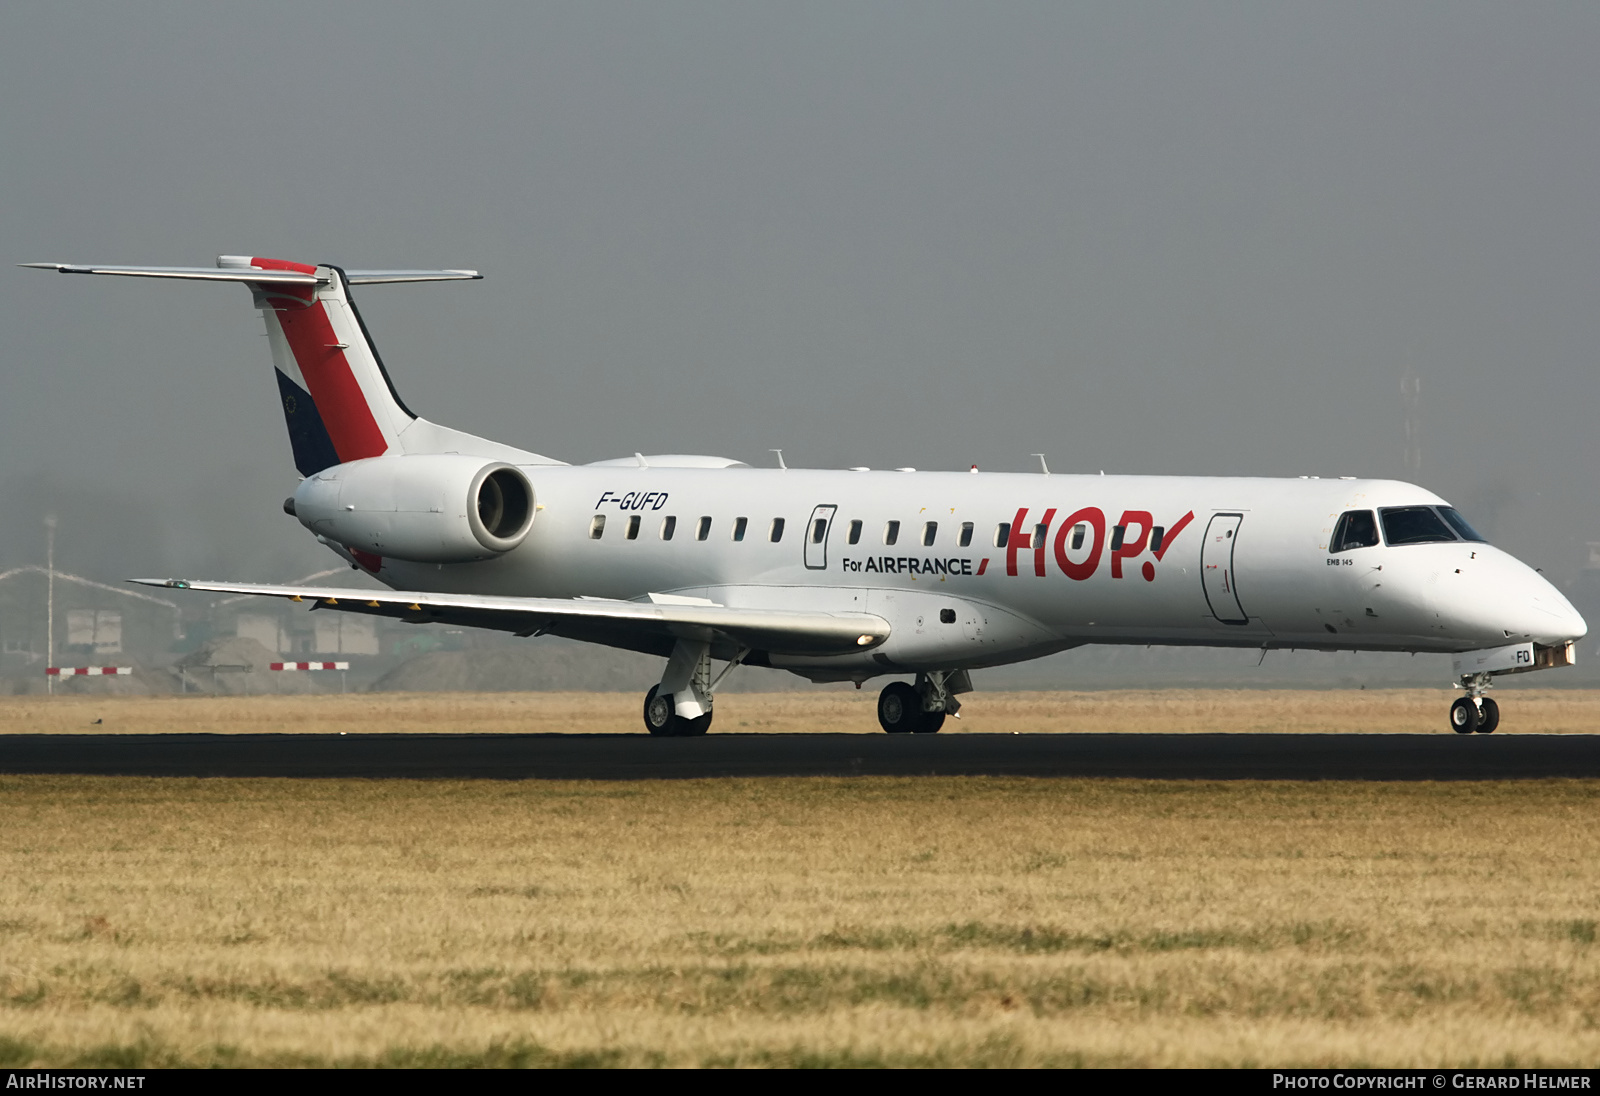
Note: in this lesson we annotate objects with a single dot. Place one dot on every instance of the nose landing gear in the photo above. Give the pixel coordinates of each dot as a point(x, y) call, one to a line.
point(1474, 669)
point(1475, 713)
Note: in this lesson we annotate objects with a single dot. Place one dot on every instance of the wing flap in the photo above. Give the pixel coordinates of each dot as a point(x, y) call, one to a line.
point(779, 630)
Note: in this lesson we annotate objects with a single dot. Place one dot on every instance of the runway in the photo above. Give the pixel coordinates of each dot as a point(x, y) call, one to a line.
point(639, 757)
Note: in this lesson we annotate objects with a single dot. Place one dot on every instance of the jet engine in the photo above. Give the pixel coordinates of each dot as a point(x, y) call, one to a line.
point(424, 508)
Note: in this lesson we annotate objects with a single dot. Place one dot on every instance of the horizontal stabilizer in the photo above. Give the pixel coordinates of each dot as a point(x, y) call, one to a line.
point(190, 273)
point(782, 631)
point(238, 269)
point(376, 277)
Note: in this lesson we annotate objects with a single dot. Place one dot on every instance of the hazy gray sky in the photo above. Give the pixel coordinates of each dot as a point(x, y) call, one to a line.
point(1194, 238)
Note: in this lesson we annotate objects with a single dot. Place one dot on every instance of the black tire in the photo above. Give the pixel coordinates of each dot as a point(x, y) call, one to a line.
point(660, 718)
point(899, 708)
point(1488, 716)
point(1464, 716)
point(931, 722)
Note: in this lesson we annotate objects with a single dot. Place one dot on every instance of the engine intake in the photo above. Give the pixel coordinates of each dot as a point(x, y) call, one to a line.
point(503, 513)
point(425, 509)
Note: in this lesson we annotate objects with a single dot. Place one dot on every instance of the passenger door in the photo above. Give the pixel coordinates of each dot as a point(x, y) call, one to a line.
point(1216, 569)
point(816, 537)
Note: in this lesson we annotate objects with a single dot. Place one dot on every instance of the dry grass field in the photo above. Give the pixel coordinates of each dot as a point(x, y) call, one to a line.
point(935, 921)
point(797, 922)
point(1547, 711)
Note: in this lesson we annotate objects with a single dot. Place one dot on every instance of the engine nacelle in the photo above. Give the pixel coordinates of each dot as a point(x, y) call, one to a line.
point(426, 509)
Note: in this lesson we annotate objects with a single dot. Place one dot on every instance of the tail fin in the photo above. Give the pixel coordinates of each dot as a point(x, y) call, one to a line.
point(337, 398)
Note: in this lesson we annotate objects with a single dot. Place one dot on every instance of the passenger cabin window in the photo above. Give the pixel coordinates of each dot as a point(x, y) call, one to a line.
point(819, 530)
point(703, 530)
point(777, 530)
point(855, 532)
point(739, 526)
point(669, 525)
point(1078, 532)
point(966, 534)
point(891, 532)
point(1156, 534)
point(1355, 529)
point(597, 527)
point(1039, 532)
point(930, 530)
point(1117, 532)
point(1459, 524)
point(1002, 534)
point(633, 527)
point(1414, 525)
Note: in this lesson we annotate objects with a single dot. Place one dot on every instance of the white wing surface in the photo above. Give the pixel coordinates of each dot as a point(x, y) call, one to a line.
point(637, 625)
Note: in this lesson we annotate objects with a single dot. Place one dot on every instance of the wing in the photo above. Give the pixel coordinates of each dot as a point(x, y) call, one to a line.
point(637, 625)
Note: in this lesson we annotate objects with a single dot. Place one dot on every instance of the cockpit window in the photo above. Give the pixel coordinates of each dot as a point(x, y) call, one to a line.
point(1459, 524)
point(1414, 525)
point(1356, 529)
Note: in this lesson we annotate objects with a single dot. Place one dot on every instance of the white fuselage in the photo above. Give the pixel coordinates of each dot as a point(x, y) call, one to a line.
point(1243, 562)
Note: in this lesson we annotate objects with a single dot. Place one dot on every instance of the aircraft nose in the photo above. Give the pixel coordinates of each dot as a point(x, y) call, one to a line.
point(1521, 605)
point(1569, 625)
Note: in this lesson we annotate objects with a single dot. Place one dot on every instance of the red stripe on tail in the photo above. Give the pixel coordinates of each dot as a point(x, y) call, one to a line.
point(332, 383)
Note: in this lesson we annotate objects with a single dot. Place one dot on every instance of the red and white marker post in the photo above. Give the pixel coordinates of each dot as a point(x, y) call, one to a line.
point(340, 666)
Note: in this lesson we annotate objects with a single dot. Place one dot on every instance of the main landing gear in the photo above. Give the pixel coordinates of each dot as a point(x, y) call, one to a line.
point(920, 708)
point(1475, 713)
point(661, 717)
point(680, 706)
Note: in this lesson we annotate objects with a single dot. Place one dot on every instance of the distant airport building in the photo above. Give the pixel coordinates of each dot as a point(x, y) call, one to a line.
point(310, 633)
point(93, 620)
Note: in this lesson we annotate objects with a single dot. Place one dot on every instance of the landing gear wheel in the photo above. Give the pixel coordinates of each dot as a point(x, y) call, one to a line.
point(661, 717)
point(1464, 716)
point(1488, 716)
point(900, 711)
point(899, 708)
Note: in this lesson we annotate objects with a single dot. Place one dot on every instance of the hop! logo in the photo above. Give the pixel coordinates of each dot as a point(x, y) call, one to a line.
point(1130, 538)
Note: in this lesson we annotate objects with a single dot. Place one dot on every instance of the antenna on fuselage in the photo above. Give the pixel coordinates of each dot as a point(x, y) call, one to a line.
point(1043, 467)
point(782, 465)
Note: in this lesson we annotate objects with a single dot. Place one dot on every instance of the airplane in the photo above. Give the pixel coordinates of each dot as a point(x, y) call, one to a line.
point(849, 575)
